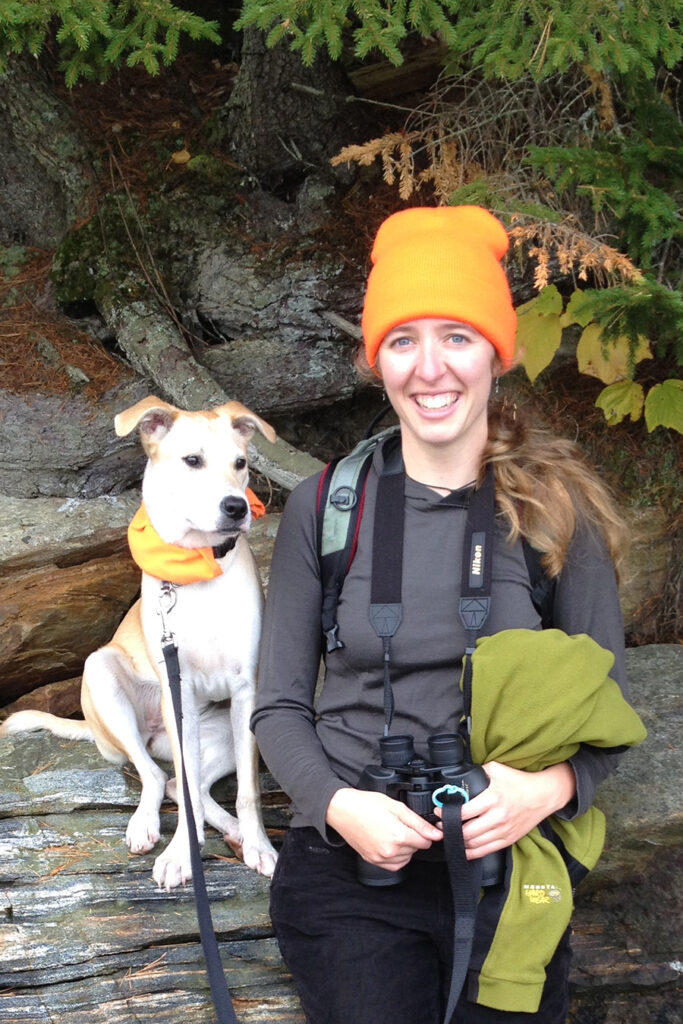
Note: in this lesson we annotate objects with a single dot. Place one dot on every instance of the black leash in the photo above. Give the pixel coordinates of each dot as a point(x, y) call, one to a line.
point(465, 878)
point(220, 995)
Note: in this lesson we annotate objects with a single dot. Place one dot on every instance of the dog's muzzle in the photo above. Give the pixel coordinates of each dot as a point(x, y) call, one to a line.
point(234, 510)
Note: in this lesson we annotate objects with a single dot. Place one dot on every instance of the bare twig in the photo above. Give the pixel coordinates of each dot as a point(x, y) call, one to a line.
point(311, 91)
point(342, 324)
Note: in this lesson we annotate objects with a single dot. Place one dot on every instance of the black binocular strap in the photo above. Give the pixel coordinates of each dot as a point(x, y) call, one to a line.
point(475, 590)
point(387, 573)
point(220, 995)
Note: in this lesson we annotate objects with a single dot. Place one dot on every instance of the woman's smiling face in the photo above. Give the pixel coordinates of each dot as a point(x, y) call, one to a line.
point(437, 375)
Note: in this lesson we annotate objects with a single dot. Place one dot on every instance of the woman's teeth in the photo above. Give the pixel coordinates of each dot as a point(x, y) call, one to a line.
point(435, 401)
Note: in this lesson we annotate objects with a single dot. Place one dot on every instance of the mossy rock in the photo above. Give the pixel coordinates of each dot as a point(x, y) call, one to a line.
point(101, 248)
point(185, 209)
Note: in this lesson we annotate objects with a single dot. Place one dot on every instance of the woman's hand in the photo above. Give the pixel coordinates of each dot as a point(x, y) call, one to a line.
point(513, 804)
point(383, 831)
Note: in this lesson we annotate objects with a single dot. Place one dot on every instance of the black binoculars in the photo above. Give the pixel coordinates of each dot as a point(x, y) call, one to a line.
point(408, 778)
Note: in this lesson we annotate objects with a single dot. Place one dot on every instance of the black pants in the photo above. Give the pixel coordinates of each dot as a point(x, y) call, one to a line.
point(361, 955)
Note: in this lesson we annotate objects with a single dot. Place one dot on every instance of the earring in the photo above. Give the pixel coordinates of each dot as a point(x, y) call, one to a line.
point(508, 405)
point(496, 388)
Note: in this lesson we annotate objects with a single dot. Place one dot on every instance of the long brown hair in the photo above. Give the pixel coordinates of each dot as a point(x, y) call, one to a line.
point(544, 485)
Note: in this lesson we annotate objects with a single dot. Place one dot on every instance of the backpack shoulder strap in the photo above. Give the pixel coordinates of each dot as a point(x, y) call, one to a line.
point(542, 585)
point(340, 501)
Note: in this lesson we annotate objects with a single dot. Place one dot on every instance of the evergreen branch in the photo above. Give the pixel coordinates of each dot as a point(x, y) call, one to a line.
point(96, 36)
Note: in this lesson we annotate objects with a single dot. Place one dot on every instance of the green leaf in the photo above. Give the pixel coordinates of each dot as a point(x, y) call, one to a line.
point(577, 311)
point(548, 301)
point(664, 406)
point(620, 400)
point(150, 62)
point(539, 331)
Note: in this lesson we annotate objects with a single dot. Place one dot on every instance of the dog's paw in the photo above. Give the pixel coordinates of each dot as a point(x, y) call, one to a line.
point(170, 871)
point(143, 832)
point(260, 857)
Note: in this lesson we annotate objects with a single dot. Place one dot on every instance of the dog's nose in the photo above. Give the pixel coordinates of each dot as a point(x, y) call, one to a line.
point(234, 508)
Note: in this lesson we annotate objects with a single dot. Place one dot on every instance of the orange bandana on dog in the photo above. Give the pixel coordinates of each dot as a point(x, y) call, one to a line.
point(171, 562)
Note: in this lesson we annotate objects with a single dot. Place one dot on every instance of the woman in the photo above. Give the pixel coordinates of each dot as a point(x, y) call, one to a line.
point(438, 327)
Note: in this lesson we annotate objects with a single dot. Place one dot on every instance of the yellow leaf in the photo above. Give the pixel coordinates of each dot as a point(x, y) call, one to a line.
point(182, 156)
point(619, 400)
point(608, 361)
point(538, 333)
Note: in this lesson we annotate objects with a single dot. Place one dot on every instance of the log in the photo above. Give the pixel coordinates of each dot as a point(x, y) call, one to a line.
point(156, 348)
point(383, 81)
point(51, 618)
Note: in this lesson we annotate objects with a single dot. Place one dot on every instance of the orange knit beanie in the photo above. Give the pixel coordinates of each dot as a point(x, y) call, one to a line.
point(440, 262)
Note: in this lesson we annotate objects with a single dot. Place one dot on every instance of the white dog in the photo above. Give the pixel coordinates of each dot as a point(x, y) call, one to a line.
point(194, 494)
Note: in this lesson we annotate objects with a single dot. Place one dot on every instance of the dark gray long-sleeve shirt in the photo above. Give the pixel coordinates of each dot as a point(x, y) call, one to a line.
point(315, 743)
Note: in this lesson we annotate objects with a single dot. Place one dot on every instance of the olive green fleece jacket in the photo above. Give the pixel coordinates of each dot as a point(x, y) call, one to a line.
point(536, 697)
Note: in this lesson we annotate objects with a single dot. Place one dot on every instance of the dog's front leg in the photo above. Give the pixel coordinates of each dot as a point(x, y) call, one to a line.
point(257, 851)
point(116, 706)
point(173, 867)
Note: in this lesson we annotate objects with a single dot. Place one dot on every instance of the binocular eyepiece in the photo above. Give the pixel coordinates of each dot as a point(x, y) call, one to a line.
point(404, 776)
point(446, 749)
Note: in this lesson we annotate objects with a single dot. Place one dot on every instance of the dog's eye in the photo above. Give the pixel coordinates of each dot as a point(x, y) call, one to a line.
point(193, 461)
point(240, 463)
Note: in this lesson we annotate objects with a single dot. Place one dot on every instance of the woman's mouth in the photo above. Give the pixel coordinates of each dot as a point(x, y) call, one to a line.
point(441, 401)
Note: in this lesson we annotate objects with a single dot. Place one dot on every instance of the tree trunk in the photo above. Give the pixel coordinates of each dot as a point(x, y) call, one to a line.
point(44, 176)
point(279, 133)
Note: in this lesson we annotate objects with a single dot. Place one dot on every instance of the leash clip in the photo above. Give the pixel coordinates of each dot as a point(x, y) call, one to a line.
point(167, 602)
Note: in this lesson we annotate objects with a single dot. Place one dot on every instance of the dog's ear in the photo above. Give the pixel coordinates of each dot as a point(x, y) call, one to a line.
point(152, 415)
point(245, 422)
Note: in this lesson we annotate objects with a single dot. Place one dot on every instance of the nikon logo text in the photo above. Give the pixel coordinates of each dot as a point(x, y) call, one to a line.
point(477, 560)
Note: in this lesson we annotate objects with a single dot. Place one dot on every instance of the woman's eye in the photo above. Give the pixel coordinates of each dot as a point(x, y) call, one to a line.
point(193, 461)
point(240, 463)
point(458, 339)
point(402, 341)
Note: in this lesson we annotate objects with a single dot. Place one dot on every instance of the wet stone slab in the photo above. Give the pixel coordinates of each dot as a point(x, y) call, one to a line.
point(85, 935)
point(87, 938)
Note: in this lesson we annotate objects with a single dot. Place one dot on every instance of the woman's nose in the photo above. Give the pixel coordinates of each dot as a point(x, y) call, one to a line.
point(430, 364)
